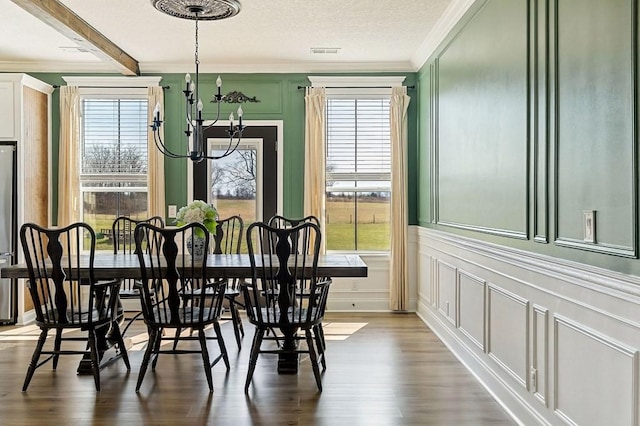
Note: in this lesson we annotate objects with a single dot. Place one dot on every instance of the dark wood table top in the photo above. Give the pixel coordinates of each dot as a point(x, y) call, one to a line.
point(109, 266)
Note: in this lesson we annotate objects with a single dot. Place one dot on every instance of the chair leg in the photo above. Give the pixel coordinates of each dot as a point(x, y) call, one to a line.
point(56, 348)
point(240, 326)
point(237, 324)
point(253, 358)
point(34, 359)
point(314, 358)
point(320, 343)
point(205, 358)
point(223, 347)
point(176, 338)
point(115, 332)
point(95, 362)
point(156, 348)
point(153, 336)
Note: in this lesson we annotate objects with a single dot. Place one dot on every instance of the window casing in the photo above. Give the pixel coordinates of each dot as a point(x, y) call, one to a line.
point(358, 170)
point(113, 158)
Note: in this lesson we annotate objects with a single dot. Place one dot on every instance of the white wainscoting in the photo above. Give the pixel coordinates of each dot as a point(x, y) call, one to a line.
point(370, 294)
point(555, 342)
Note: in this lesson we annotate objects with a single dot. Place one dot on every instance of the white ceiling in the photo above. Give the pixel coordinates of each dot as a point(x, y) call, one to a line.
point(266, 36)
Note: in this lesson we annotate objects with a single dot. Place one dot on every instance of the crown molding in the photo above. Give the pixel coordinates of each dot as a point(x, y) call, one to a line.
point(441, 29)
point(282, 68)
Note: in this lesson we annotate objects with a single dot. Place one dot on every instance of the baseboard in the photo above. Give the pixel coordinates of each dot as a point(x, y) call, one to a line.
point(511, 402)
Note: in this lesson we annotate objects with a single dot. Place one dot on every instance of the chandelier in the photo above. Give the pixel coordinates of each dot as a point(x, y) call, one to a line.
point(198, 10)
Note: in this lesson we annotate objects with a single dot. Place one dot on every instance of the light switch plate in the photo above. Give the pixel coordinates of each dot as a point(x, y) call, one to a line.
point(589, 226)
point(173, 211)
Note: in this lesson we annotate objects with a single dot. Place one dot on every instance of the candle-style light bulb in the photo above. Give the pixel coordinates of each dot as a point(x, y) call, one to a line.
point(187, 78)
point(219, 84)
point(240, 112)
point(231, 118)
point(199, 107)
point(156, 111)
point(192, 86)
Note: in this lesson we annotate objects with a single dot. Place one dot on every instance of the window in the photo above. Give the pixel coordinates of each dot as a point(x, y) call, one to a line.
point(113, 158)
point(358, 171)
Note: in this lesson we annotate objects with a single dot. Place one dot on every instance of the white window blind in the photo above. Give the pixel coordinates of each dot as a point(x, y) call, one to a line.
point(358, 144)
point(114, 141)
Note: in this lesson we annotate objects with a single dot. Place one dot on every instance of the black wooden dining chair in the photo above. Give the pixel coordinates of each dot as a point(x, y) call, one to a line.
point(285, 292)
point(122, 230)
point(227, 240)
point(64, 299)
point(175, 294)
point(282, 222)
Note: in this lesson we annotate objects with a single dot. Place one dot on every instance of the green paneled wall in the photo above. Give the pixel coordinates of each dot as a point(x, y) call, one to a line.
point(594, 110)
point(527, 119)
point(280, 99)
point(482, 128)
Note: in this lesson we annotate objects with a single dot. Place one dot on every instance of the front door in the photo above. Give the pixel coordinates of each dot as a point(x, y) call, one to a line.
point(246, 182)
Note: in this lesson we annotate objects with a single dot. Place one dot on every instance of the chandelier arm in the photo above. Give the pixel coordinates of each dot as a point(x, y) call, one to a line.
point(162, 147)
point(216, 119)
point(228, 151)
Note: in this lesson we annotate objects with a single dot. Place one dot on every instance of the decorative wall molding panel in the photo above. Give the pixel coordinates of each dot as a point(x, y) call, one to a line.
point(554, 341)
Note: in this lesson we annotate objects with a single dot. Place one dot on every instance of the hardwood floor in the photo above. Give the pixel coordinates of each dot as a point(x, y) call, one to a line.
point(382, 369)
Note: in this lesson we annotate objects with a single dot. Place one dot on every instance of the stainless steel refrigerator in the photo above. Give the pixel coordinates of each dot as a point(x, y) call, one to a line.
point(8, 231)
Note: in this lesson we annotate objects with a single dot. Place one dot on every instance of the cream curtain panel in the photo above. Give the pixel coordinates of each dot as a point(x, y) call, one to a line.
point(398, 266)
point(155, 177)
point(68, 163)
point(314, 155)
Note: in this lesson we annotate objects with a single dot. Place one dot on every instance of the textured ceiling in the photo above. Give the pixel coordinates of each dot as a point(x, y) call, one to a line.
point(266, 36)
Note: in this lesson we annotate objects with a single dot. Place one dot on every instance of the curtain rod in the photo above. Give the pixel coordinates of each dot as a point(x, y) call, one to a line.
point(56, 86)
point(356, 87)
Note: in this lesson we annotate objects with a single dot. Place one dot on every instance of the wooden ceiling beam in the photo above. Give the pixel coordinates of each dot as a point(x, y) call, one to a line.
point(61, 18)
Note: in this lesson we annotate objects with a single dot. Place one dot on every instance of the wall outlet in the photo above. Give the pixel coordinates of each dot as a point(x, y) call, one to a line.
point(534, 379)
point(173, 211)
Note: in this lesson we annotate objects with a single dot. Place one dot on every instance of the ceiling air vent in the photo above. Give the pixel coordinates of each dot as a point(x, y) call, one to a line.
point(325, 50)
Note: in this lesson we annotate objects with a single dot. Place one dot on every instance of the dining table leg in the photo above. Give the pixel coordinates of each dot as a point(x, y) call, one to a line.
point(107, 353)
point(288, 359)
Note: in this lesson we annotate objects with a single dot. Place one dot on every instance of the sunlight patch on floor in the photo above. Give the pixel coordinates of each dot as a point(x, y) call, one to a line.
point(341, 330)
point(25, 333)
point(334, 331)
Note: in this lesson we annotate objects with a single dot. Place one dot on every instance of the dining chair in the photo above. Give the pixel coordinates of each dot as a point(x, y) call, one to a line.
point(122, 230)
point(66, 300)
point(282, 222)
point(285, 292)
point(279, 221)
point(175, 294)
point(227, 240)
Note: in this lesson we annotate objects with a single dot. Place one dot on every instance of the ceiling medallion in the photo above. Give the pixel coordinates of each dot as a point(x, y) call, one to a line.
point(203, 10)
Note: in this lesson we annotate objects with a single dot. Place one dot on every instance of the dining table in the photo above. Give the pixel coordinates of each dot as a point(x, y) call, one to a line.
point(107, 266)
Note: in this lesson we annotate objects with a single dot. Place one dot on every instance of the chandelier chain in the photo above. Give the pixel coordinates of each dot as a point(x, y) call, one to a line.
point(196, 56)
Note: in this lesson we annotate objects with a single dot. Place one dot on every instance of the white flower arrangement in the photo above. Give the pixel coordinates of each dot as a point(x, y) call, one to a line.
point(200, 212)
